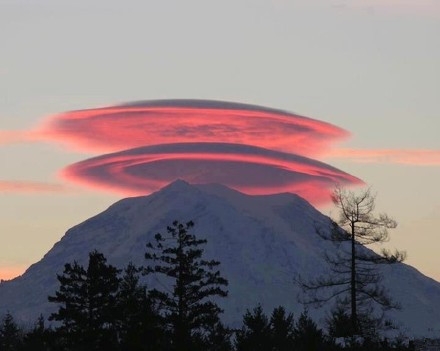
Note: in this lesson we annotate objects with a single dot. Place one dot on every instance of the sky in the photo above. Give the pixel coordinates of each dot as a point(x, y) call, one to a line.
point(367, 70)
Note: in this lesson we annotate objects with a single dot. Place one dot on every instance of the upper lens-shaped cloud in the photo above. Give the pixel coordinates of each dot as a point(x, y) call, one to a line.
point(170, 121)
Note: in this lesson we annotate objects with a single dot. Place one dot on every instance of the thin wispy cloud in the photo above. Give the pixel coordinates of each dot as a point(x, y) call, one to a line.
point(30, 187)
point(10, 137)
point(412, 157)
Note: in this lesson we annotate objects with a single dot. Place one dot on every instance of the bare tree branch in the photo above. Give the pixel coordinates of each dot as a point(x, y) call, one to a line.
point(353, 276)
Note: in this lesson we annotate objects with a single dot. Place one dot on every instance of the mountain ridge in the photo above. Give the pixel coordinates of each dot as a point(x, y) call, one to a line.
point(261, 241)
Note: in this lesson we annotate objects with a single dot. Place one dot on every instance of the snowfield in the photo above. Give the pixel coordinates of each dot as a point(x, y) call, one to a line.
point(262, 242)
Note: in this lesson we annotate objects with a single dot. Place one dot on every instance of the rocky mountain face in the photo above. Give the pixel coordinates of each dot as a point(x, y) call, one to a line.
point(262, 242)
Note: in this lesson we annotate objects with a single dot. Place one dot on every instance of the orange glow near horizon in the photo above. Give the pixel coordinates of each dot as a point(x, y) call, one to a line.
point(11, 272)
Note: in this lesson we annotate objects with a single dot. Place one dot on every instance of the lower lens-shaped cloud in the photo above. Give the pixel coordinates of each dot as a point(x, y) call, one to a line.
point(249, 169)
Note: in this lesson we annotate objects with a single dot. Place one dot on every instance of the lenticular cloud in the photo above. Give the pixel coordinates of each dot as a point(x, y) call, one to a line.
point(169, 121)
point(253, 149)
point(247, 168)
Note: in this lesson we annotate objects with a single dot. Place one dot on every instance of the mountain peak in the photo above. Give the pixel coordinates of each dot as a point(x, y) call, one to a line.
point(177, 185)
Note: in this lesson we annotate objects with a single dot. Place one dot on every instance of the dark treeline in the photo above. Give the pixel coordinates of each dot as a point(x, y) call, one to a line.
point(102, 307)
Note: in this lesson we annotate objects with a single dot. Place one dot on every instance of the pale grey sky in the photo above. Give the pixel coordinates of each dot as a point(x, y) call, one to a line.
point(370, 67)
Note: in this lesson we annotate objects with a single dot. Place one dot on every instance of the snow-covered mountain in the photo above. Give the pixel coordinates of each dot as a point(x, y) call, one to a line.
point(262, 242)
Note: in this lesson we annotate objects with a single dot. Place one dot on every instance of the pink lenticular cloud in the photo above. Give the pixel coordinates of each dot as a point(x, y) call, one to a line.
point(253, 149)
point(169, 121)
point(249, 169)
point(13, 186)
point(421, 157)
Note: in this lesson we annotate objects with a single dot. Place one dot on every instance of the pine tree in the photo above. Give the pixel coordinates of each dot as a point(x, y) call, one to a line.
point(282, 330)
point(71, 297)
point(307, 335)
point(37, 338)
point(138, 324)
point(218, 338)
point(339, 323)
point(10, 334)
point(187, 309)
point(260, 333)
point(87, 304)
point(255, 333)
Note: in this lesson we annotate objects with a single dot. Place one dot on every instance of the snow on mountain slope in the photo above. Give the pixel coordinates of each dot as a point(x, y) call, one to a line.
point(262, 242)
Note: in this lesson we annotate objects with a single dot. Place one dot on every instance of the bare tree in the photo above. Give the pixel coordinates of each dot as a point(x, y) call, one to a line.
point(355, 280)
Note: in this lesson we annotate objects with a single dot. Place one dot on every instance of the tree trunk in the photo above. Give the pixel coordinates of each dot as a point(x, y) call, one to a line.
point(354, 318)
